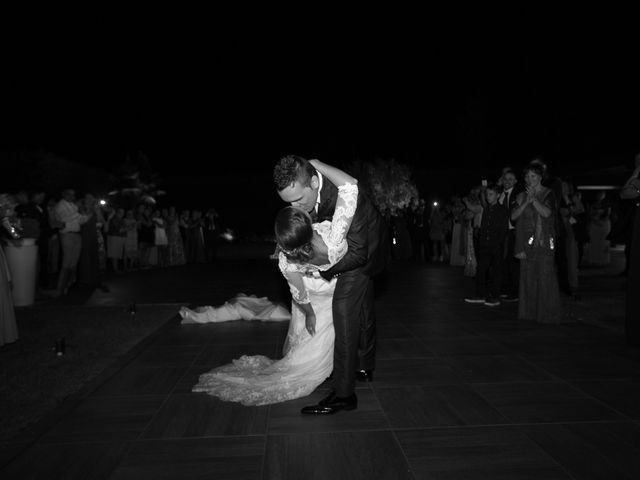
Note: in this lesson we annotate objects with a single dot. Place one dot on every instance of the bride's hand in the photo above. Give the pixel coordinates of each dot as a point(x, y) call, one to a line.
point(310, 323)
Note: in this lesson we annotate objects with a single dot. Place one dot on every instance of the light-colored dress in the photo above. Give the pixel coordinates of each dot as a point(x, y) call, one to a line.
point(308, 359)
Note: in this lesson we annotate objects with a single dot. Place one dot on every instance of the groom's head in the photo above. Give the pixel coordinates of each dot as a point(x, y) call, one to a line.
point(297, 182)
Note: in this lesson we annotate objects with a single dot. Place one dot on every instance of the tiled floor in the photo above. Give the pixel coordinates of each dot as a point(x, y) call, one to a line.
point(460, 391)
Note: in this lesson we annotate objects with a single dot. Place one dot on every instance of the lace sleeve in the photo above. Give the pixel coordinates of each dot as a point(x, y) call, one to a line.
point(346, 204)
point(294, 278)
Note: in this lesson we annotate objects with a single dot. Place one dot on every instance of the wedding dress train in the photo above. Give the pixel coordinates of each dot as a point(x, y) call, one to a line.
point(307, 361)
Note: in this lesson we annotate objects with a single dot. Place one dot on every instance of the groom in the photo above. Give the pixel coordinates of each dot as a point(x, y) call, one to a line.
point(301, 185)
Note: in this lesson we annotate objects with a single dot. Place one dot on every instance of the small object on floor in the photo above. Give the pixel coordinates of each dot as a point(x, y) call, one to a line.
point(364, 375)
point(60, 347)
point(133, 309)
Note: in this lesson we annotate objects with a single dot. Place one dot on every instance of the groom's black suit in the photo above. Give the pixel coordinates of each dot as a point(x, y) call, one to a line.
point(353, 315)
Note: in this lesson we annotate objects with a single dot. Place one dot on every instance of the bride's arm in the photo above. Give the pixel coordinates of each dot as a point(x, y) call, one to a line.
point(345, 209)
point(333, 174)
point(299, 292)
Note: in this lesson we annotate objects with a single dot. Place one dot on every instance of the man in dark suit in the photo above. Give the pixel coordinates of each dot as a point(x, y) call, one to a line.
point(511, 265)
point(301, 185)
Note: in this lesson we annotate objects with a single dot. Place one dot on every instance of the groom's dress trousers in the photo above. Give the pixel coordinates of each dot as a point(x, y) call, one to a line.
point(353, 314)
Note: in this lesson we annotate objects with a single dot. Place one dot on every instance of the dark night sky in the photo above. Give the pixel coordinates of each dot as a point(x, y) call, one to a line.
point(438, 94)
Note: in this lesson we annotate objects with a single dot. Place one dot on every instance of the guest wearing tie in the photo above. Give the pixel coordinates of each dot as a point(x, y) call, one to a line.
point(511, 265)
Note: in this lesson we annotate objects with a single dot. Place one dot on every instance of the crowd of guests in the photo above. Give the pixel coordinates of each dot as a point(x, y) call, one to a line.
point(80, 239)
point(522, 238)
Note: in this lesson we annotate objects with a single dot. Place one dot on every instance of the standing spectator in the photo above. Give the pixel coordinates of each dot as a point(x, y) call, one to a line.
point(70, 239)
point(161, 240)
point(89, 262)
point(211, 233)
point(511, 265)
point(631, 191)
point(417, 229)
point(570, 245)
point(130, 241)
point(8, 327)
point(145, 235)
point(437, 233)
point(580, 230)
point(597, 252)
point(195, 238)
point(539, 297)
point(54, 248)
point(37, 211)
point(174, 237)
point(473, 216)
point(458, 232)
point(490, 249)
point(183, 222)
point(116, 234)
point(628, 208)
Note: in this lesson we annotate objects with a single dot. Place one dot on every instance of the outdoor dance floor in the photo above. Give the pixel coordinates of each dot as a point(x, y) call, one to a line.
point(460, 391)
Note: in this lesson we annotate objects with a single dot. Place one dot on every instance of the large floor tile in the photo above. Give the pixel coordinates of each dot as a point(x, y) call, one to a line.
point(211, 458)
point(592, 450)
point(133, 380)
point(414, 371)
point(541, 402)
point(496, 453)
point(286, 417)
point(495, 368)
point(68, 460)
point(432, 406)
point(394, 348)
point(465, 346)
point(321, 456)
point(170, 355)
point(594, 365)
point(106, 419)
point(621, 395)
point(200, 415)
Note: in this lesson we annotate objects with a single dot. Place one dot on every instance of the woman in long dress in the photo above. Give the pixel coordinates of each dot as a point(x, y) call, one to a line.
point(539, 297)
point(304, 250)
point(631, 191)
point(8, 327)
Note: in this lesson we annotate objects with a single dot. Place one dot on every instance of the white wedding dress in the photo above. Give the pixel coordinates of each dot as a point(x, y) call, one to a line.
point(308, 359)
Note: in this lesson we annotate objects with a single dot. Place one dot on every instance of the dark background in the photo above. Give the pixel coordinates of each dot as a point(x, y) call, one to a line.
point(215, 100)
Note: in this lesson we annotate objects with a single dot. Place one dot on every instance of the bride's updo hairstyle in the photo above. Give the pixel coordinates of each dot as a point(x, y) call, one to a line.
point(294, 233)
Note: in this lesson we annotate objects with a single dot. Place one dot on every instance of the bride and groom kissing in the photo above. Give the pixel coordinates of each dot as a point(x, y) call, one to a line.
point(331, 241)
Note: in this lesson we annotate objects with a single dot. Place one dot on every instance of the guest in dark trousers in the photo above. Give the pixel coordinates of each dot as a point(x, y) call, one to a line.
point(490, 249)
point(631, 191)
point(511, 265)
point(37, 211)
point(211, 232)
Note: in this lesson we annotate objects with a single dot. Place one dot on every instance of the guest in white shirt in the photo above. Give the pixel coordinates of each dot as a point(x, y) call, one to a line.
point(66, 212)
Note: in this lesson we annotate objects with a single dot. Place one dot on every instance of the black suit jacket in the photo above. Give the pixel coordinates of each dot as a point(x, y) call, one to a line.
point(368, 244)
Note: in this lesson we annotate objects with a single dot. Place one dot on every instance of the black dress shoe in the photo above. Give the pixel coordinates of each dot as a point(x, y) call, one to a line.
point(332, 404)
point(364, 375)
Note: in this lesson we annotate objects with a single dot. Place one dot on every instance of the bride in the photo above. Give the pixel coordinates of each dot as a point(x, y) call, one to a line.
point(304, 249)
